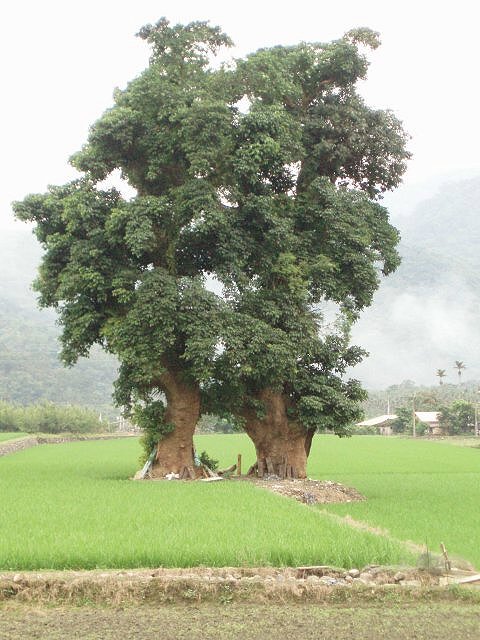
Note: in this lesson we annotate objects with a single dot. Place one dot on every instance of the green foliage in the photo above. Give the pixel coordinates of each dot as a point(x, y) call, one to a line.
point(309, 159)
point(210, 423)
point(426, 398)
point(10, 417)
point(457, 418)
point(29, 368)
point(151, 419)
point(403, 423)
point(421, 428)
point(47, 417)
point(117, 271)
point(459, 366)
point(209, 462)
point(366, 430)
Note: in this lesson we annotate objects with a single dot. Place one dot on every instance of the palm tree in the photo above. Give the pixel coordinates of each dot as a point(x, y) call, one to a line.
point(441, 373)
point(459, 366)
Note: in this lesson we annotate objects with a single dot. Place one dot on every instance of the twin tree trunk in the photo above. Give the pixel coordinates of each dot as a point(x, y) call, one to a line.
point(282, 446)
point(175, 450)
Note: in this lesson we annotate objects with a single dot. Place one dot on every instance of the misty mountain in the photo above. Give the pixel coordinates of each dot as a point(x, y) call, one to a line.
point(425, 315)
point(29, 366)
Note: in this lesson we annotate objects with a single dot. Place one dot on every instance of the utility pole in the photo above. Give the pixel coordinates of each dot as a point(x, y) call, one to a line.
point(476, 418)
point(414, 426)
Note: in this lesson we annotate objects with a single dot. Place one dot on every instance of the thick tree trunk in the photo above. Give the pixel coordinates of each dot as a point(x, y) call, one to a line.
point(282, 446)
point(175, 450)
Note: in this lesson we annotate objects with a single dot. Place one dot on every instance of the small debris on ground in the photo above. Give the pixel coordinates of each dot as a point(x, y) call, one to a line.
point(308, 491)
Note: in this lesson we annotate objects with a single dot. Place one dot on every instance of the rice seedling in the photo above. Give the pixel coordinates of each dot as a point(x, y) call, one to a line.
point(11, 435)
point(74, 506)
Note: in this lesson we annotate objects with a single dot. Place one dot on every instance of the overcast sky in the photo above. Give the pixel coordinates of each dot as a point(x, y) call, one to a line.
point(62, 60)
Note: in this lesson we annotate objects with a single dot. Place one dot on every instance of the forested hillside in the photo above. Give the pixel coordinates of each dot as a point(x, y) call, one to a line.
point(29, 365)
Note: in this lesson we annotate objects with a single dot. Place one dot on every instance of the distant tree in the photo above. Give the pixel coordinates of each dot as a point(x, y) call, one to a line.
point(420, 427)
point(403, 423)
point(457, 418)
point(10, 417)
point(47, 417)
point(459, 366)
point(426, 400)
point(441, 373)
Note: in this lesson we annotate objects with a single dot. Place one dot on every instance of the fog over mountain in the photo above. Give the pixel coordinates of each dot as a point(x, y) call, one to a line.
point(426, 315)
point(30, 370)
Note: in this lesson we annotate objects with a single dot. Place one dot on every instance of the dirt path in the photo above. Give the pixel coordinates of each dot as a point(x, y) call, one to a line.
point(250, 622)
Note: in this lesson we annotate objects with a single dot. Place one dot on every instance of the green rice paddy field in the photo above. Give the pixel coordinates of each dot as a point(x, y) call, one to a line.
point(73, 506)
point(10, 435)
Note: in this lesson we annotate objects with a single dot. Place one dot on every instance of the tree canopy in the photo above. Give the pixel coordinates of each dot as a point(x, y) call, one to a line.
point(278, 201)
point(309, 162)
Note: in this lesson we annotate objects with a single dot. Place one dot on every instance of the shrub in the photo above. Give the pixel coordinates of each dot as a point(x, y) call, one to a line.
point(10, 417)
point(208, 462)
point(457, 418)
point(366, 430)
point(48, 417)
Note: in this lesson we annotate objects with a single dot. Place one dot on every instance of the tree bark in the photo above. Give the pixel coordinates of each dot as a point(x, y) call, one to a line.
point(282, 445)
point(175, 450)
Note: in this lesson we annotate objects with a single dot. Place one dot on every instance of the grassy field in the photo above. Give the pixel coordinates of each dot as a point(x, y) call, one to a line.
point(11, 435)
point(423, 491)
point(73, 506)
point(427, 492)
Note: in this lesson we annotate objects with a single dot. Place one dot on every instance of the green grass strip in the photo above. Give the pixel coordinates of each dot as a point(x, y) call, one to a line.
point(11, 435)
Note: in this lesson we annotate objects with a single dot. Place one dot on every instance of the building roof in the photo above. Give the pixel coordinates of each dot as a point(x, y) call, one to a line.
point(373, 422)
point(428, 416)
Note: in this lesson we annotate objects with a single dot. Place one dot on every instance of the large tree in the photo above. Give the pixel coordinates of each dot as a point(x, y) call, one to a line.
point(309, 163)
point(114, 267)
point(278, 202)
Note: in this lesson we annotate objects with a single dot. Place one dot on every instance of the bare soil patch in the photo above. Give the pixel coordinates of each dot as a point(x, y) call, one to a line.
point(435, 621)
point(308, 491)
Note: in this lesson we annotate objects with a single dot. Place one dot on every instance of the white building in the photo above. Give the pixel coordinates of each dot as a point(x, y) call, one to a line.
point(383, 423)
